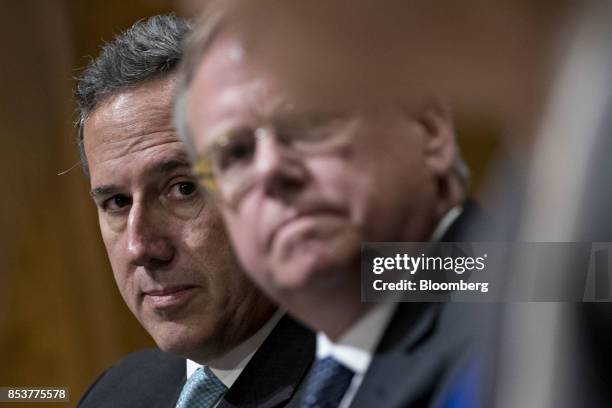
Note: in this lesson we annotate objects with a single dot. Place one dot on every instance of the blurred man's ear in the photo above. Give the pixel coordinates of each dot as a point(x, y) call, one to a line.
point(440, 142)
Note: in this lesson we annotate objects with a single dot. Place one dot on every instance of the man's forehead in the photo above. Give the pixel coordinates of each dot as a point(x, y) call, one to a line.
point(232, 77)
point(147, 168)
point(228, 87)
point(133, 119)
point(224, 59)
point(152, 98)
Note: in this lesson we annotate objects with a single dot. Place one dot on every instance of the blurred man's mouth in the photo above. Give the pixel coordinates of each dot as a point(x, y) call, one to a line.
point(304, 226)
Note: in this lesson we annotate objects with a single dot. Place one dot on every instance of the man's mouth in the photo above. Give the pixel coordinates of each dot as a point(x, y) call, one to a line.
point(169, 296)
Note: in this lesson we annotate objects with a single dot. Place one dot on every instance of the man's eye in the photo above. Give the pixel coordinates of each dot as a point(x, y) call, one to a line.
point(238, 151)
point(116, 203)
point(183, 189)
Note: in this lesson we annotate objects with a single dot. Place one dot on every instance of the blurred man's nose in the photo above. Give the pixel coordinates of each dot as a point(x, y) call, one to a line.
point(148, 241)
point(280, 170)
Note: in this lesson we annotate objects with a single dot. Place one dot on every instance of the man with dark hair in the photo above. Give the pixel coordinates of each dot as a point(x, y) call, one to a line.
point(306, 167)
point(168, 248)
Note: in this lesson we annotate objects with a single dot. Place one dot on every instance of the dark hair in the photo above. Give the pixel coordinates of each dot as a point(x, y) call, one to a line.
point(148, 49)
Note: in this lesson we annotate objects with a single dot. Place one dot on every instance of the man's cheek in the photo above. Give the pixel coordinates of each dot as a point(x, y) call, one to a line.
point(242, 242)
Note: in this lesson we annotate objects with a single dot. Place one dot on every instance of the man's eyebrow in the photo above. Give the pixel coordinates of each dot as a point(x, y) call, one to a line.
point(162, 167)
point(103, 191)
point(168, 166)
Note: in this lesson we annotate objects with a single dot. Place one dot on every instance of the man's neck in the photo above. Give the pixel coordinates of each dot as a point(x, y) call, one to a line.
point(330, 310)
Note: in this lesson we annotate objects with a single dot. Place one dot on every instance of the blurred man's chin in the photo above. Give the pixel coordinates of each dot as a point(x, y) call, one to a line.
point(306, 261)
point(313, 269)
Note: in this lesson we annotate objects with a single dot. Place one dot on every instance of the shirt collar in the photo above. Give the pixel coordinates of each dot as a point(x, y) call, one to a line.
point(228, 367)
point(447, 220)
point(354, 349)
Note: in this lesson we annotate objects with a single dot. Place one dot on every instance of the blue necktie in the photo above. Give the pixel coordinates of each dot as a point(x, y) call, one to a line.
point(202, 390)
point(327, 383)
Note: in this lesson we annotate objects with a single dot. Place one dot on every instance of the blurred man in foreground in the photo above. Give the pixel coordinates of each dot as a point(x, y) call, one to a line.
point(303, 180)
point(167, 245)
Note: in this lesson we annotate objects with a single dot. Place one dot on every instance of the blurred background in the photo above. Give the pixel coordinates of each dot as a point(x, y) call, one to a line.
point(62, 320)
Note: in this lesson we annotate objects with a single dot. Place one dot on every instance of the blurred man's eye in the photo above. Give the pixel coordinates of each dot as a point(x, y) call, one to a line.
point(116, 203)
point(240, 149)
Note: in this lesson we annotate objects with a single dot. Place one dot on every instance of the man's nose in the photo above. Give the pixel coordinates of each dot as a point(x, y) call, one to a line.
point(281, 171)
point(148, 241)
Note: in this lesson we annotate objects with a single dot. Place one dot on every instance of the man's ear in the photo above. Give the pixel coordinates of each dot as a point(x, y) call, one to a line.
point(440, 143)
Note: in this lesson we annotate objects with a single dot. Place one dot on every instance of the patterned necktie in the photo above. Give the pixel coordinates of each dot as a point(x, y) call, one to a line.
point(202, 390)
point(327, 383)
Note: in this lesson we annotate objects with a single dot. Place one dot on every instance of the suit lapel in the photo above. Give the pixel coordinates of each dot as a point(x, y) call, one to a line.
point(469, 226)
point(276, 370)
point(170, 380)
point(175, 389)
point(412, 355)
point(389, 376)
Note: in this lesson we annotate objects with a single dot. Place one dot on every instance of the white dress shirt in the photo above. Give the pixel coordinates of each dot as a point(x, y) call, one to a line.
point(355, 348)
point(449, 218)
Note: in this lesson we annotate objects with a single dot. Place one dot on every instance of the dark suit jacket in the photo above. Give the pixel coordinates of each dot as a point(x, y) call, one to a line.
point(152, 378)
point(422, 344)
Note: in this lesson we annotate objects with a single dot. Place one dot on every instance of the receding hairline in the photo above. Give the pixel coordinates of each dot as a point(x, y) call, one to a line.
point(167, 81)
point(150, 48)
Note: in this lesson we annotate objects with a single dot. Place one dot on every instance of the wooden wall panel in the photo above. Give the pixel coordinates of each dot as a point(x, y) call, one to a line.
point(61, 317)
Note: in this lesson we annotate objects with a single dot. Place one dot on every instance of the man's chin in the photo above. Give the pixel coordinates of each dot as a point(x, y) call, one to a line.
point(185, 341)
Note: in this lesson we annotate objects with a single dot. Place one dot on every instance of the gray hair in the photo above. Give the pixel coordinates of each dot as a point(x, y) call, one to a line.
point(149, 49)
